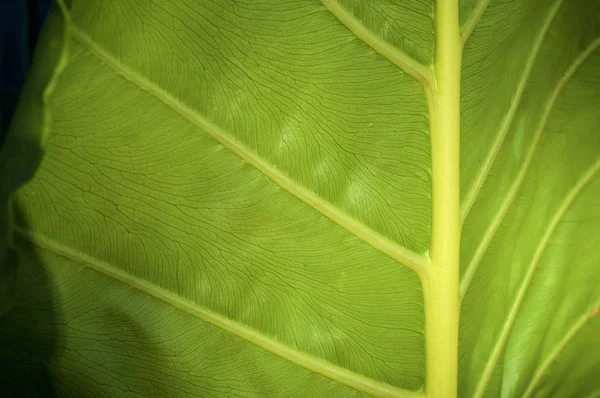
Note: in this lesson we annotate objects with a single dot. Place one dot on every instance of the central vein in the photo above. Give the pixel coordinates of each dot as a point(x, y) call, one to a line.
point(441, 281)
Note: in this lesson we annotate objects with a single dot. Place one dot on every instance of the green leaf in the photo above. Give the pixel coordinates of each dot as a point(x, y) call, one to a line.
point(23, 149)
point(263, 199)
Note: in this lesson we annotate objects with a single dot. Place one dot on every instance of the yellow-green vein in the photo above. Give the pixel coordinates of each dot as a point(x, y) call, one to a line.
point(514, 188)
point(354, 380)
point(401, 254)
point(476, 14)
point(473, 192)
point(512, 315)
point(581, 322)
point(60, 66)
point(414, 68)
point(440, 283)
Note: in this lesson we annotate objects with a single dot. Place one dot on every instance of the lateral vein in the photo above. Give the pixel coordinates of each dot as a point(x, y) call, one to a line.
point(562, 210)
point(399, 253)
point(473, 192)
point(423, 74)
point(581, 322)
point(514, 188)
point(476, 14)
point(331, 371)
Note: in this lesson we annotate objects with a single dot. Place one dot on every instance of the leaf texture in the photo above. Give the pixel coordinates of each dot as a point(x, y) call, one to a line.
point(528, 245)
point(235, 199)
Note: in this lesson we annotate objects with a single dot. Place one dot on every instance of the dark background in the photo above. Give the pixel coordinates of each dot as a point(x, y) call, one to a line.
point(20, 25)
point(27, 334)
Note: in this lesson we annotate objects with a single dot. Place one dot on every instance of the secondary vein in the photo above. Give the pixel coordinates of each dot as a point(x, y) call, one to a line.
point(476, 14)
point(336, 373)
point(399, 253)
point(512, 315)
point(541, 371)
point(473, 193)
point(411, 66)
point(514, 188)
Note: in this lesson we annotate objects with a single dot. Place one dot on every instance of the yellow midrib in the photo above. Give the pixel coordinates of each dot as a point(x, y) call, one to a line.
point(413, 260)
point(439, 279)
point(440, 284)
point(331, 371)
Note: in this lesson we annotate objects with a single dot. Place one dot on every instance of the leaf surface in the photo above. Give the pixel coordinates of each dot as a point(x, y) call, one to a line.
point(235, 200)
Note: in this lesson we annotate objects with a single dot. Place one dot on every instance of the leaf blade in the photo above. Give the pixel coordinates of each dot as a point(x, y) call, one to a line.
point(335, 373)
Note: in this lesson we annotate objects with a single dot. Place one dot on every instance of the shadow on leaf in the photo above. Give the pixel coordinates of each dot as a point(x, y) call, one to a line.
point(28, 334)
